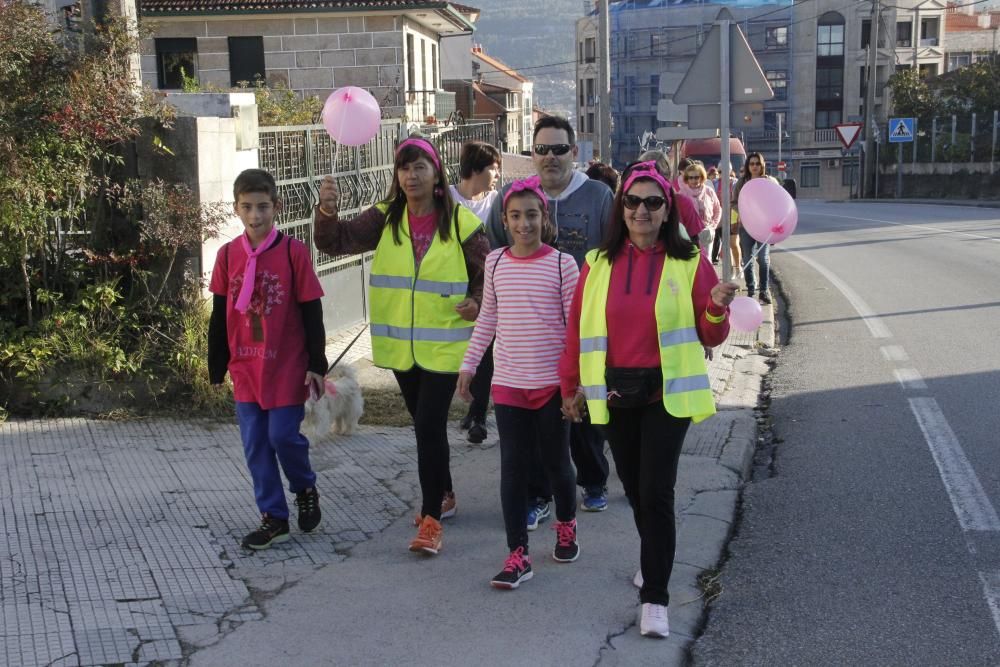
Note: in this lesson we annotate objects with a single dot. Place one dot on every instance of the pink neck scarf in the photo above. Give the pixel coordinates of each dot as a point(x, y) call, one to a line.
point(250, 268)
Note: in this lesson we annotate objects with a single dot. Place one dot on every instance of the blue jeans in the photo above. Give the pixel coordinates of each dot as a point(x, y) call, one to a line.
point(271, 437)
point(747, 246)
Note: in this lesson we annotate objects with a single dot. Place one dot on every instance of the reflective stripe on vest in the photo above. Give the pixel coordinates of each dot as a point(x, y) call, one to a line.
point(687, 391)
point(413, 318)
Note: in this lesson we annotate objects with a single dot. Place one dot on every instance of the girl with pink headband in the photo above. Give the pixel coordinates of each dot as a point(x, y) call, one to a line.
point(425, 287)
point(526, 298)
point(646, 302)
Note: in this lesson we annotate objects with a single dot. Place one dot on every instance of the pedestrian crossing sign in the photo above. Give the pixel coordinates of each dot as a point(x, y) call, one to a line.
point(900, 130)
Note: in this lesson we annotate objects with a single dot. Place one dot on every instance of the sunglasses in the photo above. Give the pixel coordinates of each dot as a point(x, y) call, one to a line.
point(653, 203)
point(693, 177)
point(755, 164)
point(555, 149)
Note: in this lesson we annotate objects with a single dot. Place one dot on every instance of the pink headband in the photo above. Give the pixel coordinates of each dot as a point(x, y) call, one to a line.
point(423, 145)
point(532, 184)
point(648, 170)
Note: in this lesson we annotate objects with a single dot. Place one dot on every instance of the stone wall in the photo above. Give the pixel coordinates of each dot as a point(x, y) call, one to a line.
point(312, 55)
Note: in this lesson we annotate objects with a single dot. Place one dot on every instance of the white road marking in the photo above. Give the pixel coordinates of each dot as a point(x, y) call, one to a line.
point(874, 323)
point(906, 224)
point(991, 589)
point(910, 379)
point(971, 504)
point(894, 353)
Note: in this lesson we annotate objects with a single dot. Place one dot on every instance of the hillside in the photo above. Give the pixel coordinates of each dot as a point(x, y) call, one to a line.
point(527, 37)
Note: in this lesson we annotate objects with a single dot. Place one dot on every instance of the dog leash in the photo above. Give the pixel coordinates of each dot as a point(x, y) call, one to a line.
point(337, 360)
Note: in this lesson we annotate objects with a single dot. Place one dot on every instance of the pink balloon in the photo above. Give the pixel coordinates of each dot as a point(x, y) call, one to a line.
point(351, 116)
point(767, 211)
point(745, 313)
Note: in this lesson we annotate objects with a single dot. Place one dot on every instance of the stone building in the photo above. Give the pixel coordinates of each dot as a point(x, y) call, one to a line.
point(388, 47)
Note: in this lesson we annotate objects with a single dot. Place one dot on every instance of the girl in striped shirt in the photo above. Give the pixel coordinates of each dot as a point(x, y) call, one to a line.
point(526, 298)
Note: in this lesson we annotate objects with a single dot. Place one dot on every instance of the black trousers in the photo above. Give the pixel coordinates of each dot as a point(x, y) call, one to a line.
point(428, 396)
point(717, 244)
point(586, 445)
point(646, 445)
point(481, 384)
point(524, 432)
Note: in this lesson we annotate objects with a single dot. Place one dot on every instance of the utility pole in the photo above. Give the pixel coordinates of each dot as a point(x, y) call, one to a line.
point(870, 167)
point(604, 82)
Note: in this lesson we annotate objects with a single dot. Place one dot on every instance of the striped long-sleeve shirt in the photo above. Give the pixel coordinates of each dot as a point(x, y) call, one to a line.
point(525, 305)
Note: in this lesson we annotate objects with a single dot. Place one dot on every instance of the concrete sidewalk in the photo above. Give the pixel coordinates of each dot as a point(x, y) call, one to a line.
point(122, 548)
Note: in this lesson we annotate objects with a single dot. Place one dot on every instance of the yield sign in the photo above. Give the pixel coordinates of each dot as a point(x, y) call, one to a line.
point(848, 133)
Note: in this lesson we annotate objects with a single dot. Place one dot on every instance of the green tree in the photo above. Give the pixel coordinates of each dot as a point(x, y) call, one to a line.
point(912, 97)
point(975, 88)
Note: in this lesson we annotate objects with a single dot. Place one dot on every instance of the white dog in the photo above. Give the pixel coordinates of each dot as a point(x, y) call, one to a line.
point(339, 409)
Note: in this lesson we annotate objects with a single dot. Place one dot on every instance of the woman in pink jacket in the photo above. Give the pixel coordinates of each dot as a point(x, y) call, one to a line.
point(695, 185)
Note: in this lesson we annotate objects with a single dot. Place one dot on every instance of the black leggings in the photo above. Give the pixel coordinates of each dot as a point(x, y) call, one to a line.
point(522, 431)
point(480, 388)
point(428, 396)
point(646, 445)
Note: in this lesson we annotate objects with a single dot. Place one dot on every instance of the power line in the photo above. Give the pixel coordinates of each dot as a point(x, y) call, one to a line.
point(570, 65)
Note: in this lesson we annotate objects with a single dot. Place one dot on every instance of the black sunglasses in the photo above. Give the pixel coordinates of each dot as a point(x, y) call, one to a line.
point(555, 149)
point(653, 203)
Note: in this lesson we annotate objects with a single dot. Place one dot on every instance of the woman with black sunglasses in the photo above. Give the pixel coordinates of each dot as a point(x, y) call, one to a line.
point(646, 302)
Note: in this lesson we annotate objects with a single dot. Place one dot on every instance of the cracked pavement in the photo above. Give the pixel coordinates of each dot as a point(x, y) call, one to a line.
point(122, 548)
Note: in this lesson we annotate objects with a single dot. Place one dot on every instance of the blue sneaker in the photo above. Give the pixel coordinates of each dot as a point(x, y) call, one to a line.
point(538, 512)
point(595, 501)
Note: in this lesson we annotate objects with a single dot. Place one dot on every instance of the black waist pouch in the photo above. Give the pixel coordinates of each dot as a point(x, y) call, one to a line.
point(633, 387)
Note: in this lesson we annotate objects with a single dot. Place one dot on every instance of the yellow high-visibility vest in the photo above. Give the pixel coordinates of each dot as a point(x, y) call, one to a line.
point(686, 388)
point(413, 318)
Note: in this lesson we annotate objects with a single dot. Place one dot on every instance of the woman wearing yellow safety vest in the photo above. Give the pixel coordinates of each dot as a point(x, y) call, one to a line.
point(646, 302)
point(426, 284)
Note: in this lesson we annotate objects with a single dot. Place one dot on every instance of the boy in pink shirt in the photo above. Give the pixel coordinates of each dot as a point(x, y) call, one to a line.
point(267, 331)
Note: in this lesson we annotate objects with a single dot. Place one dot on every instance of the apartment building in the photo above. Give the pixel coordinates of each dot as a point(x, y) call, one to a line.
point(814, 54)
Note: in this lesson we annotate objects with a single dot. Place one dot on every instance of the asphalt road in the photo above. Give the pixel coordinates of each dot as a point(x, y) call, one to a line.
point(870, 534)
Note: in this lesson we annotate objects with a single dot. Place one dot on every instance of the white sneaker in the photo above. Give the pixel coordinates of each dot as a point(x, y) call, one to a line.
point(653, 621)
point(637, 580)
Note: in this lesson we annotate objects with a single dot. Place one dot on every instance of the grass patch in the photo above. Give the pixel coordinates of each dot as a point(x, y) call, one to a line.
point(710, 583)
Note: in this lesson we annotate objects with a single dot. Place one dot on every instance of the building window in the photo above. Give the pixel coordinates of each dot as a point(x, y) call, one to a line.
point(809, 176)
point(423, 65)
point(630, 91)
point(654, 89)
point(776, 37)
point(590, 93)
point(771, 121)
point(657, 44)
point(904, 33)
point(579, 58)
point(583, 96)
point(590, 122)
point(849, 172)
point(829, 70)
point(434, 67)
point(173, 56)
point(830, 38)
point(411, 64)
point(590, 50)
point(581, 127)
point(246, 60)
point(778, 78)
point(959, 61)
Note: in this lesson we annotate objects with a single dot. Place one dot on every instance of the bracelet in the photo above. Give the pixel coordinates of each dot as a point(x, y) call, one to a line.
point(325, 212)
point(715, 319)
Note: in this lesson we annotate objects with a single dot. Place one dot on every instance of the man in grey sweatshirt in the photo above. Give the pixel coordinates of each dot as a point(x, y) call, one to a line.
point(579, 208)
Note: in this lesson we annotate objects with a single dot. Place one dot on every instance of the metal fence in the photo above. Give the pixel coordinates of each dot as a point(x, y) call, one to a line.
point(300, 156)
point(952, 140)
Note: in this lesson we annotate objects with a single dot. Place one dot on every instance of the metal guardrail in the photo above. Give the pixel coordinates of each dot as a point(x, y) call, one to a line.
point(300, 156)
